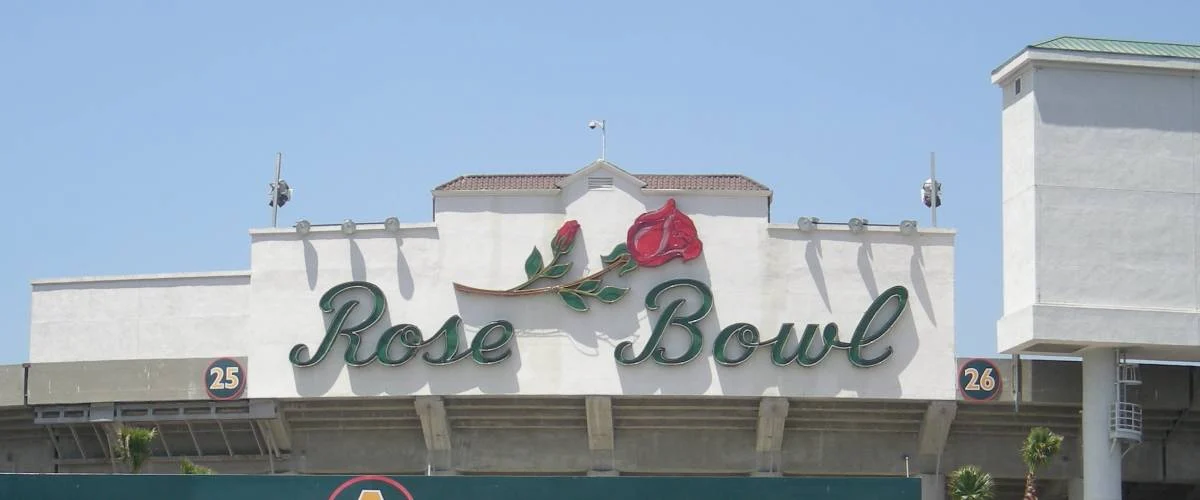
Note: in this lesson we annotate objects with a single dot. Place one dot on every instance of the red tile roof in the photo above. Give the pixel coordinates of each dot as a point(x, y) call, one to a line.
point(699, 182)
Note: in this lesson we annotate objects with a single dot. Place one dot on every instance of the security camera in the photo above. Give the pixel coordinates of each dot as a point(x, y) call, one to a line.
point(593, 124)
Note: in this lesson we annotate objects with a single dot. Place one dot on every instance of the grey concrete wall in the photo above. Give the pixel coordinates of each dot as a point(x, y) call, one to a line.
point(1182, 451)
point(1165, 387)
point(393, 451)
point(12, 385)
point(684, 450)
point(520, 450)
point(121, 380)
point(1054, 382)
point(163, 465)
point(26, 455)
point(870, 453)
point(999, 456)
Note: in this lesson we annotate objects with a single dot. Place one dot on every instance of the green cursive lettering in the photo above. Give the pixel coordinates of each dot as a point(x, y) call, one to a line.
point(410, 338)
point(668, 318)
point(864, 335)
point(338, 328)
point(480, 347)
point(450, 329)
point(747, 337)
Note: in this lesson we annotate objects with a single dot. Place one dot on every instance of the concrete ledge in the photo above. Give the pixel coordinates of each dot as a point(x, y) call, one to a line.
point(1169, 334)
point(199, 278)
point(12, 385)
point(120, 381)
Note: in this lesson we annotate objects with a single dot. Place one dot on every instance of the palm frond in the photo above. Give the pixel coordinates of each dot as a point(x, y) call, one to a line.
point(133, 446)
point(187, 467)
point(969, 482)
point(1040, 447)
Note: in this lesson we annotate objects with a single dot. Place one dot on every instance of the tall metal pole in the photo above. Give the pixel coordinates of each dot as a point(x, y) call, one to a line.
point(603, 139)
point(936, 193)
point(275, 190)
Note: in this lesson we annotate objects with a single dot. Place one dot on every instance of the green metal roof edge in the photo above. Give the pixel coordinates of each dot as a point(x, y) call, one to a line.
point(1124, 47)
point(1044, 45)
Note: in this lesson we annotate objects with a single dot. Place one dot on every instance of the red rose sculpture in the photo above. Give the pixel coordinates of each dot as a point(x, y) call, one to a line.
point(654, 239)
point(662, 235)
point(565, 237)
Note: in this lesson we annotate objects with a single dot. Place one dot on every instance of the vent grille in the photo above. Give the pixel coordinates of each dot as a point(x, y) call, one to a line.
point(600, 183)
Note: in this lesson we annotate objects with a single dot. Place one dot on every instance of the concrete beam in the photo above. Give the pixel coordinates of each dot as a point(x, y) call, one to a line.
point(772, 413)
point(436, 429)
point(272, 424)
point(935, 428)
point(600, 435)
point(933, 487)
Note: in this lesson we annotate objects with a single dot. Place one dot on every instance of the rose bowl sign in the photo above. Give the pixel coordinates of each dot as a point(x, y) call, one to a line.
point(654, 238)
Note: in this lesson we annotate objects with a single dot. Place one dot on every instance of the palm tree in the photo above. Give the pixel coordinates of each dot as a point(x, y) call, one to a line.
point(133, 446)
point(971, 483)
point(1040, 447)
point(187, 467)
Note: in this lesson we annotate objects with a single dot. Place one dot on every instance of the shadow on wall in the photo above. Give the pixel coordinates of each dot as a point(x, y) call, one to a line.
point(694, 377)
point(408, 378)
point(920, 288)
point(598, 331)
point(834, 375)
point(358, 266)
point(593, 332)
point(312, 264)
point(374, 378)
point(1117, 100)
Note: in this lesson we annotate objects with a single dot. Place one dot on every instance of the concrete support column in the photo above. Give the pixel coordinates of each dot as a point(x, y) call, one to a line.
point(935, 430)
point(772, 414)
point(1101, 460)
point(436, 429)
point(933, 487)
point(1075, 489)
point(600, 436)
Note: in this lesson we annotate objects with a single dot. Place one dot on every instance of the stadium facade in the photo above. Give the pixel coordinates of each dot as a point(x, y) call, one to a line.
point(606, 323)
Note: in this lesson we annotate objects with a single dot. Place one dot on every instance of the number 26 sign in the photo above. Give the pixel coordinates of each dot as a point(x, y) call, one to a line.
point(224, 379)
point(979, 380)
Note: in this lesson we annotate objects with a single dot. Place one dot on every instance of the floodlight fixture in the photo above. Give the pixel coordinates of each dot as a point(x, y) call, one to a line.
point(858, 225)
point(391, 225)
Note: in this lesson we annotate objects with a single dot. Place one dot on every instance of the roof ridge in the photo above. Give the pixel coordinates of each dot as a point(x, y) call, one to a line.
point(511, 175)
point(540, 181)
point(1120, 40)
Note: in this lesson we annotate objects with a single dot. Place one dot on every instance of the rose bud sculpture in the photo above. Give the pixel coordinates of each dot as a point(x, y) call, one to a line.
point(565, 238)
point(561, 245)
point(664, 234)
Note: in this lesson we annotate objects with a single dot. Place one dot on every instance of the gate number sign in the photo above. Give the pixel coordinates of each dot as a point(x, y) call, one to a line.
point(979, 380)
point(224, 379)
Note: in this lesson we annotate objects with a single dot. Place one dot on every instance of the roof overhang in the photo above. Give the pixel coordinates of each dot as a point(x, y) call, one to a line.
point(1037, 57)
point(461, 193)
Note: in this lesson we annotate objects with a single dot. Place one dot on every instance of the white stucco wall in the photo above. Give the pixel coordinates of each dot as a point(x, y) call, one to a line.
point(139, 317)
point(1019, 221)
point(760, 273)
point(1100, 225)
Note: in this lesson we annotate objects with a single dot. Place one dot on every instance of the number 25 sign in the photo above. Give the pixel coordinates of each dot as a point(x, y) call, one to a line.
point(979, 380)
point(224, 379)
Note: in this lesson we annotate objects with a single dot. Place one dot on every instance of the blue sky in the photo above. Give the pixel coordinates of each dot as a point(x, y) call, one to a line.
point(138, 137)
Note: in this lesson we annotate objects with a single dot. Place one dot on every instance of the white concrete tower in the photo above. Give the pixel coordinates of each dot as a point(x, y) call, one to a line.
point(1101, 198)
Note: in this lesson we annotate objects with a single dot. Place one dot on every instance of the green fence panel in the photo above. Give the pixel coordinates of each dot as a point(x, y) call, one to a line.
point(239, 487)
